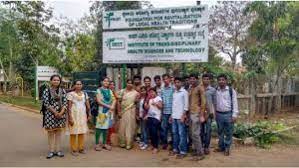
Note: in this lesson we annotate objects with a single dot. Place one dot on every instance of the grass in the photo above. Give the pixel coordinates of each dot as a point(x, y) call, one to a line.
point(21, 101)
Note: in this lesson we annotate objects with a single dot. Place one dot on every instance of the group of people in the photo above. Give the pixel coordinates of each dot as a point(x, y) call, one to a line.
point(170, 115)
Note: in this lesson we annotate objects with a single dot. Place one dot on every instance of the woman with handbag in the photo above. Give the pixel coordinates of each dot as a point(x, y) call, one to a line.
point(79, 114)
point(54, 105)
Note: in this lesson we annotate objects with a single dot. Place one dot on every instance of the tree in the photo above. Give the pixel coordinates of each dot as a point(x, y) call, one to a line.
point(9, 45)
point(38, 39)
point(275, 31)
point(228, 27)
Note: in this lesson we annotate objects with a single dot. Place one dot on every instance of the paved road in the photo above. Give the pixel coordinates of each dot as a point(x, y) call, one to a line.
point(23, 143)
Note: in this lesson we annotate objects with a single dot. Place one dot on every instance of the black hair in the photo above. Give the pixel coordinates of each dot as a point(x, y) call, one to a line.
point(193, 76)
point(100, 82)
point(165, 75)
point(157, 77)
point(58, 76)
point(222, 76)
point(178, 78)
point(209, 75)
point(111, 82)
point(147, 77)
point(153, 89)
point(137, 77)
point(128, 80)
point(74, 83)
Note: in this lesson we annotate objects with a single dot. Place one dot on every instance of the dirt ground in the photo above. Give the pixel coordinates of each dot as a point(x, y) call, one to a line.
point(23, 143)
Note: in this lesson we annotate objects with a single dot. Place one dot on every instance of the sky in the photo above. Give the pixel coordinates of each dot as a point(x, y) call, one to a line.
point(75, 9)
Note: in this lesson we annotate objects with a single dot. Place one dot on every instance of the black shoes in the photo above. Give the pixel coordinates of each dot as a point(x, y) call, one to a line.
point(52, 154)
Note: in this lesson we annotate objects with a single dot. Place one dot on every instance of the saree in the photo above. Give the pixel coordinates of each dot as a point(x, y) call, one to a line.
point(127, 125)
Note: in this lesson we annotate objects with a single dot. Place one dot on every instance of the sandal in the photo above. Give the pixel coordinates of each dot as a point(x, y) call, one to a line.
point(107, 147)
point(128, 147)
point(82, 151)
point(98, 148)
point(74, 153)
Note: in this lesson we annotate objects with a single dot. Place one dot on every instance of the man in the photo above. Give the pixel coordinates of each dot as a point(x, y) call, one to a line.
point(178, 118)
point(172, 80)
point(167, 97)
point(158, 83)
point(186, 82)
point(197, 105)
point(226, 114)
point(147, 82)
point(210, 94)
point(137, 83)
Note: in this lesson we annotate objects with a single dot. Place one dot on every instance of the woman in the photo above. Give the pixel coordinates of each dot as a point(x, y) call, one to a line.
point(111, 129)
point(54, 117)
point(127, 114)
point(79, 113)
point(106, 102)
point(142, 114)
point(154, 106)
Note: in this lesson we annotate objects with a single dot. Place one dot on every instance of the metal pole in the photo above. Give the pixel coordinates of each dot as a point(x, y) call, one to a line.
point(36, 82)
point(123, 75)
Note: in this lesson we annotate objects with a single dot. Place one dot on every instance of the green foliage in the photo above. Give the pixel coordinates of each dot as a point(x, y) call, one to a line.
point(33, 40)
point(264, 132)
point(273, 38)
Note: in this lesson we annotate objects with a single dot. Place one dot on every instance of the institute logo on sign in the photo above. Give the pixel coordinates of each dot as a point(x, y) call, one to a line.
point(109, 18)
point(115, 43)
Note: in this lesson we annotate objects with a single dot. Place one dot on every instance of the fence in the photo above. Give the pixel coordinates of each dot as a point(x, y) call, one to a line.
point(289, 103)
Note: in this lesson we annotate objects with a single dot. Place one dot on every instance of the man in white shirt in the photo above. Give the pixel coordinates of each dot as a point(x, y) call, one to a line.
point(180, 106)
point(226, 114)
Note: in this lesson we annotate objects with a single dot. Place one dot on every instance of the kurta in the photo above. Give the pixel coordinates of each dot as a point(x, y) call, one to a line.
point(105, 118)
point(57, 101)
point(78, 112)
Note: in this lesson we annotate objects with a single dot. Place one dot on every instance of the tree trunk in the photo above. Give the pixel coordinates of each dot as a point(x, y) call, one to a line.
point(4, 76)
point(253, 97)
point(273, 90)
point(10, 73)
point(270, 102)
point(234, 63)
point(279, 92)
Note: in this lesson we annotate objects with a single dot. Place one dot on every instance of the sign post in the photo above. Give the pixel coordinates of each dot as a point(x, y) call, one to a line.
point(149, 36)
point(36, 82)
point(123, 75)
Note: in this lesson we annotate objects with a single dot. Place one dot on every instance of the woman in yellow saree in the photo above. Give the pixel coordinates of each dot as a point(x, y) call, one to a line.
point(128, 99)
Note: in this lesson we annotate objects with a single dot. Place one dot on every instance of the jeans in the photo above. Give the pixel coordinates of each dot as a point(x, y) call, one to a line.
point(165, 128)
point(195, 134)
point(179, 133)
point(153, 126)
point(225, 127)
point(206, 131)
point(144, 131)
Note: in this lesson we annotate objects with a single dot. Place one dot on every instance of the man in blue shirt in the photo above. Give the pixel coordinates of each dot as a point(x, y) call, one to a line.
point(167, 96)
